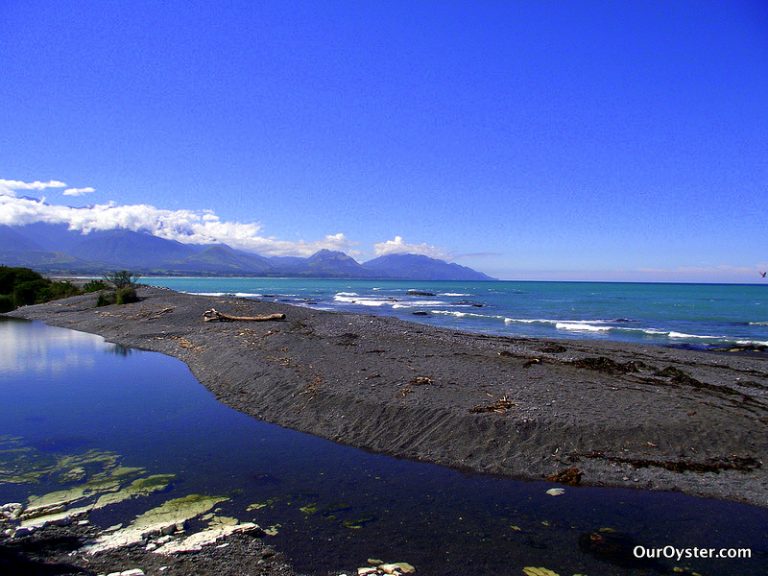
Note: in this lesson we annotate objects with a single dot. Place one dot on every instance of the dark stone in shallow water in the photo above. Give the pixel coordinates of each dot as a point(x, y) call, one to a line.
point(420, 313)
point(265, 479)
point(615, 548)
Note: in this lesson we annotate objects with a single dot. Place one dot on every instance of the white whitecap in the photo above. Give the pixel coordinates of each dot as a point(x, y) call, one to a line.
point(529, 321)
point(582, 327)
point(684, 335)
point(466, 314)
point(752, 342)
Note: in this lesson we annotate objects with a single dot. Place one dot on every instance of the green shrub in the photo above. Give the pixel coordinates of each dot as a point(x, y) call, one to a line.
point(10, 277)
point(94, 286)
point(122, 279)
point(105, 299)
point(6, 303)
point(29, 291)
point(56, 290)
point(126, 296)
point(22, 287)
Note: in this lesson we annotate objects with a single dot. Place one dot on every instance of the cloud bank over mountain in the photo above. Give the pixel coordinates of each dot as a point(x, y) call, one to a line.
point(185, 226)
point(398, 246)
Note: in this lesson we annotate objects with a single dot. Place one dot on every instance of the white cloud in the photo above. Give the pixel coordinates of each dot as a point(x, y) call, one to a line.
point(78, 191)
point(399, 246)
point(186, 226)
point(9, 187)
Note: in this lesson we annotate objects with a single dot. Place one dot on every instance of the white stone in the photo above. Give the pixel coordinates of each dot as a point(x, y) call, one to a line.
point(196, 541)
point(132, 572)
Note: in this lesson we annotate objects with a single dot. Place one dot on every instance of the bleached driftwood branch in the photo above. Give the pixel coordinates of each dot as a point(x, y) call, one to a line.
point(214, 315)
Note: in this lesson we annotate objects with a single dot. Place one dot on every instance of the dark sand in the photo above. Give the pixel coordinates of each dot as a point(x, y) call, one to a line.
point(625, 415)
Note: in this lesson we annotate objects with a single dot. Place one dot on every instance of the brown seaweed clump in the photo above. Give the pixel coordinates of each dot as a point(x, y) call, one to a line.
point(501, 406)
point(568, 476)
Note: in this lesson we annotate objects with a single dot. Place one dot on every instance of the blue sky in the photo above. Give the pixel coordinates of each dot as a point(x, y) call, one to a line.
point(551, 140)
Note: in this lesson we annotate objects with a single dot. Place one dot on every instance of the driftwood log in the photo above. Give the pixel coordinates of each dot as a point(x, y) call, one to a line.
point(214, 315)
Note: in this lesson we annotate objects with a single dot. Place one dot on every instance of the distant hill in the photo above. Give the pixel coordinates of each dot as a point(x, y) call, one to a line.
point(222, 259)
point(55, 249)
point(130, 249)
point(418, 267)
point(332, 264)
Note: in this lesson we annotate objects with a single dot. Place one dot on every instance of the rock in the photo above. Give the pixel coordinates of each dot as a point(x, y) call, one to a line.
point(366, 570)
point(209, 536)
point(420, 293)
point(12, 510)
point(132, 572)
point(555, 491)
point(159, 520)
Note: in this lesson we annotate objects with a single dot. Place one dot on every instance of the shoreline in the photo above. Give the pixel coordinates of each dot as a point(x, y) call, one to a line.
point(622, 414)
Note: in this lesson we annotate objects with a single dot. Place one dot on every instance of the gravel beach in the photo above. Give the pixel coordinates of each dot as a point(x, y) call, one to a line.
point(598, 413)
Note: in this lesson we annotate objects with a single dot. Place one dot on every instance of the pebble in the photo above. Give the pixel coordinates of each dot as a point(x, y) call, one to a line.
point(12, 510)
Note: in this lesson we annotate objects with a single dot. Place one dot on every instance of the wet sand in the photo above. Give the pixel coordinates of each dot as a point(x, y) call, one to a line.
point(621, 415)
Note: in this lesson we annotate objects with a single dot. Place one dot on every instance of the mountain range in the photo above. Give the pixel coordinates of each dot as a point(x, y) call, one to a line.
point(53, 248)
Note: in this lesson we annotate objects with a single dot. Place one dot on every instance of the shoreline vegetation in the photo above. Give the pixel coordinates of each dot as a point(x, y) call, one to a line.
point(573, 412)
point(23, 287)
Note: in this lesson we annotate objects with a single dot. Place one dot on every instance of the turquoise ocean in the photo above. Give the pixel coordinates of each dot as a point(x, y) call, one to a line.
point(688, 315)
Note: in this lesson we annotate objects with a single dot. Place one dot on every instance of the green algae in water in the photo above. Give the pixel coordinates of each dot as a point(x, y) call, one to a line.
point(22, 464)
point(358, 523)
point(309, 509)
point(95, 480)
point(268, 503)
point(137, 488)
